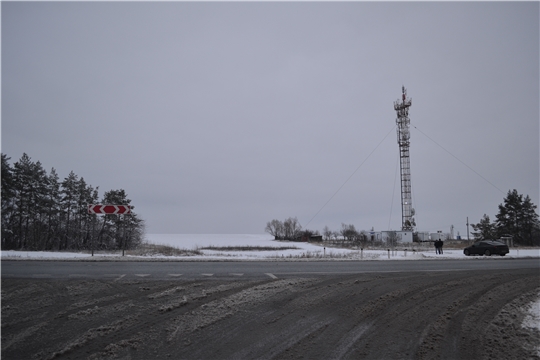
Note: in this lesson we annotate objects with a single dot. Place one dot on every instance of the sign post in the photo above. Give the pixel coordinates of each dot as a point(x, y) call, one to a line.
point(111, 210)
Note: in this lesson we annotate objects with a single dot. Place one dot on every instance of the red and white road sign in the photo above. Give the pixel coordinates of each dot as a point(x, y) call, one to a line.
point(109, 209)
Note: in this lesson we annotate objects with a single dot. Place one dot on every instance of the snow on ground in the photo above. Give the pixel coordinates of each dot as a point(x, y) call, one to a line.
point(532, 319)
point(33, 255)
point(531, 322)
point(304, 250)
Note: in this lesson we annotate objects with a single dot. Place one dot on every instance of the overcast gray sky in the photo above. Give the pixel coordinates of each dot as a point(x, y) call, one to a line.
point(219, 117)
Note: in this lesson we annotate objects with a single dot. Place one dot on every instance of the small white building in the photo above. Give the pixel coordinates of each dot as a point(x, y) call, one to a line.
point(406, 236)
point(402, 236)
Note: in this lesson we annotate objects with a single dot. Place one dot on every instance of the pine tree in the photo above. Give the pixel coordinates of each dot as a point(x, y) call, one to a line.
point(517, 217)
point(529, 225)
point(37, 210)
point(121, 231)
point(69, 205)
point(485, 229)
point(53, 211)
point(8, 203)
point(40, 213)
point(23, 183)
point(86, 195)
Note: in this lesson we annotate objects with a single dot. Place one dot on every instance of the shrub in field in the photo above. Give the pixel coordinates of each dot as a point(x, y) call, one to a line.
point(249, 248)
point(147, 249)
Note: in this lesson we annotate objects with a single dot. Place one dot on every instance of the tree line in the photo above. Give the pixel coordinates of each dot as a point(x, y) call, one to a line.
point(42, 212)
point(290, 229)
point(517, 218)
point(350, 234)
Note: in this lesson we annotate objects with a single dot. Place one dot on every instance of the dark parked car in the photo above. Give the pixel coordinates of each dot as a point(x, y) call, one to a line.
point(487, 247)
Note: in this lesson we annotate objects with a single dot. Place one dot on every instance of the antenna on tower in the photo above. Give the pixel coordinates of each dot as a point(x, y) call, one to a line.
point(403, 138)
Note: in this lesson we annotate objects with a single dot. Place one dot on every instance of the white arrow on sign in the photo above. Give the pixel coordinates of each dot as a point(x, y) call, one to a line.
point(109, 209)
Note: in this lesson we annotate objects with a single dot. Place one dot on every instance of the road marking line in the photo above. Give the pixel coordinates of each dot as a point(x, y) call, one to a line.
point(121, 276)
point(78, 275)
point(175, 275)
point(237, 274)
point(207, 274)
point(42, 275)
point(142, 275)
point(271, 275)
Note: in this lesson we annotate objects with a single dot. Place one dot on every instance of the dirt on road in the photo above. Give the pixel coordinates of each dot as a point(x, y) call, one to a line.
point(421, 315)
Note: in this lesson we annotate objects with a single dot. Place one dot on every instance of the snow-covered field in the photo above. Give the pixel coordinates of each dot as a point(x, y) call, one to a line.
point(303, 250)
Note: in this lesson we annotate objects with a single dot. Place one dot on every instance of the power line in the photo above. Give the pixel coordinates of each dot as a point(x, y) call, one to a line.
point(358, 168)
point(455, 157)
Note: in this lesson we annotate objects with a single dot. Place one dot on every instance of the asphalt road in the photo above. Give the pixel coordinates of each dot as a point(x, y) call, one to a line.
point(246, 269)
point(266, 310)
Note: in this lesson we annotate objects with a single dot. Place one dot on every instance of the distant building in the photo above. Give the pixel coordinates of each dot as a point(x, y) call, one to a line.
point(311, 238)
point(403, 236)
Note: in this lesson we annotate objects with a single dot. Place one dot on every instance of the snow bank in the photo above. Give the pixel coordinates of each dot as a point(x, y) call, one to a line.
point(532, 318)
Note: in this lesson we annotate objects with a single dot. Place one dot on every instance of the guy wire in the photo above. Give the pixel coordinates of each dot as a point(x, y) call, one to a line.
point(455, 157)
point(358, 168)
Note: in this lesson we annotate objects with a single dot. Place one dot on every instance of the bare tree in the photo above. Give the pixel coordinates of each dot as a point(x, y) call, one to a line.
point(275, 228)
point(348, 232)
point(362, 238)
point(327, 233)
point(392, 238)
point(291, 228)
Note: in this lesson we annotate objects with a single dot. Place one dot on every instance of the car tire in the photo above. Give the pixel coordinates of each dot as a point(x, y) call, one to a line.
point(466, 252)
point(487, 253)
point(503, 254)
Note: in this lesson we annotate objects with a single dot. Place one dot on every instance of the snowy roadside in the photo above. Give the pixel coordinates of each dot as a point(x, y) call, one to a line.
point(531, 321)
point(218, 248)
point(298, 251)
point(287, 255)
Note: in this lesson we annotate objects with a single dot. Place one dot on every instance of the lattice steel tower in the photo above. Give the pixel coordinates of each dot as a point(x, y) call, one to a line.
point(403, 137)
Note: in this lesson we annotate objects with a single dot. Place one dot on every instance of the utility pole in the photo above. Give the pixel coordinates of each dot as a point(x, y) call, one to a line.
point(403, 138)
point(467, 228)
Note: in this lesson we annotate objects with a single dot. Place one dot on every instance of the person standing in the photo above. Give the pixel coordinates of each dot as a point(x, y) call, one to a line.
point(436, 243)
point(441, 243)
